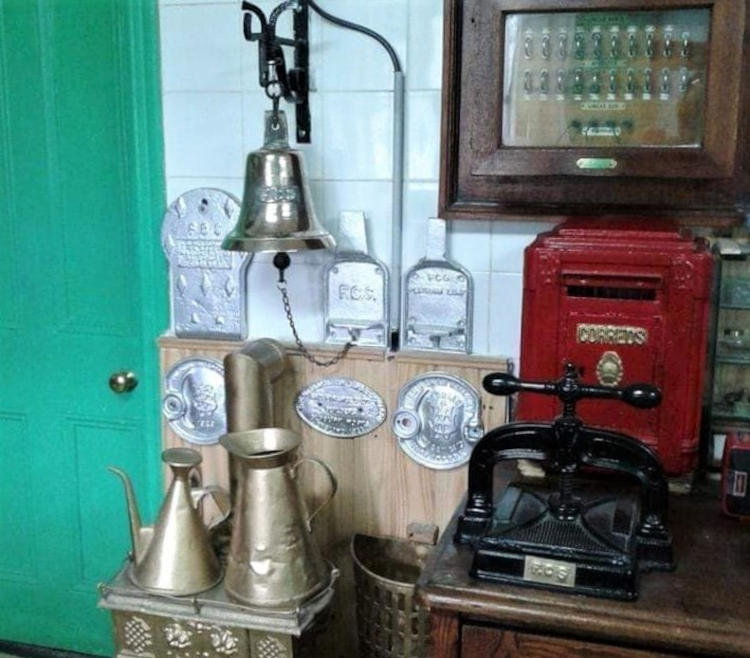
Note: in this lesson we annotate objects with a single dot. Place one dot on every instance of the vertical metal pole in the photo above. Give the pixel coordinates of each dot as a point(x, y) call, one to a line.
point(399, 99)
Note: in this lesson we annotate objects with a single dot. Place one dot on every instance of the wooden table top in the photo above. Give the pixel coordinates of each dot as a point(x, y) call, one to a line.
point(701, 607)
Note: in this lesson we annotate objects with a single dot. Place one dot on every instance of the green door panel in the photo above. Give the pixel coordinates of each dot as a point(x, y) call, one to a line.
point(82, 280)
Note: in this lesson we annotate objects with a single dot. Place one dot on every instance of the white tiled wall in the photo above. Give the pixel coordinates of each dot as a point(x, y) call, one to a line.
point(213, 114)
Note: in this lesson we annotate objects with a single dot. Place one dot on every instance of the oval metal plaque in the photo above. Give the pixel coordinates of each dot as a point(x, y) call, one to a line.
point(438, 420)
point(193, 401)
point(340, 407)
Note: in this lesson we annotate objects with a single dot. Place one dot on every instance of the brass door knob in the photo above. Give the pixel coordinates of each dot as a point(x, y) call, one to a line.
point(123, 382)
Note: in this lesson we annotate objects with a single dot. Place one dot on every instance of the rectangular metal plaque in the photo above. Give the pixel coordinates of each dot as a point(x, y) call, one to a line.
point(549, 572)
point(438, 299)
point(207, 284)
point(611, 334)
point(356, 285)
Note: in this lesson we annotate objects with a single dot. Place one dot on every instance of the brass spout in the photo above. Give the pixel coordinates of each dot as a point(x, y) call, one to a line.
point(139, 536)
point(249, 374)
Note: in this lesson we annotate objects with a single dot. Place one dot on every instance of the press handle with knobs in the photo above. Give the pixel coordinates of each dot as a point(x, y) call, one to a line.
point(123, 381)
point(568, 389)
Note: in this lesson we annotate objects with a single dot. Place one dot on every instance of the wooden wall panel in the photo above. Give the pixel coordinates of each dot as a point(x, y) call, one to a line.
point(381, 490)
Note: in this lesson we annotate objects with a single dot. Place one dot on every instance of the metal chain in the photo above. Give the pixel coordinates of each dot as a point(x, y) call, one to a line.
point(281, 285)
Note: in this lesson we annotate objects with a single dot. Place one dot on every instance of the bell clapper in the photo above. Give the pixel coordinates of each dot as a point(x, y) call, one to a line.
point(281, 262)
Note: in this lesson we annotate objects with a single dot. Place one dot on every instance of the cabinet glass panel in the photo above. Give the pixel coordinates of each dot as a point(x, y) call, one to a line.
point(605, 79)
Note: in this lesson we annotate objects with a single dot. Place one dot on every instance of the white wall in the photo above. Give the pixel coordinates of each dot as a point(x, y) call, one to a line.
point(213, 115)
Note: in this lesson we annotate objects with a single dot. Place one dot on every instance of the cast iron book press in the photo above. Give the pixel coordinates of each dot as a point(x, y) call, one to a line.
point(582, 536)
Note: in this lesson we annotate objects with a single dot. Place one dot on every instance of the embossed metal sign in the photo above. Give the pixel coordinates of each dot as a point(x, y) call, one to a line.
point(207, 284)
point(438, 420)
point(611, 334)
point(549, 572)
point(438, 300)
point(356, 287)
point(340, 407)
point(193, 401)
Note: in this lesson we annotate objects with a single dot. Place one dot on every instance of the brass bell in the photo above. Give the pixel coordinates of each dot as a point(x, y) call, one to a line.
point(277, 213)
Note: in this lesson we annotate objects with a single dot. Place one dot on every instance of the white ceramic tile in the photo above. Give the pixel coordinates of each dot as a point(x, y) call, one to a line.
point(481, 312)
point(254, 106)
point(420, 203)
point(357, 129)
point(509, 239)
point(423, 135)
point(265, 309)
point(177, 186)
point(371, 197)
point(200, 48)
point(469, 244)
point(203, 134)
point(425, 49)
point(352, 61)
point(506, 291)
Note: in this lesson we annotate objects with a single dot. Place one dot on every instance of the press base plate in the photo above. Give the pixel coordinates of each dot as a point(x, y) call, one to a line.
point(594, 553)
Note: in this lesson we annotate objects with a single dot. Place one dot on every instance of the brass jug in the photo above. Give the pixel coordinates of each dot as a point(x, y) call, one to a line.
point(273, 558)
point(174, 556)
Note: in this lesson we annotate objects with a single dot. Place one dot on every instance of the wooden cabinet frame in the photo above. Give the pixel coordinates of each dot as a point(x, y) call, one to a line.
point(480, 177)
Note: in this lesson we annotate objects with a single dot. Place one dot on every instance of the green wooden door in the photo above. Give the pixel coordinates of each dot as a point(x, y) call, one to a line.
point(81, 296)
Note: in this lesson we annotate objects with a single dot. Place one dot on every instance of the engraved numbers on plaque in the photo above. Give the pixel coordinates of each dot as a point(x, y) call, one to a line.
point(341, 407)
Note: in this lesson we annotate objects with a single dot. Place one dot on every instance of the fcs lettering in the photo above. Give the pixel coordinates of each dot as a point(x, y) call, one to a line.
point(356, 293)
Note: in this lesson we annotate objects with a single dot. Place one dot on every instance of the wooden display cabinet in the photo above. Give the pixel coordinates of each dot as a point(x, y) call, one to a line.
point(595, 107)
point(729, 410)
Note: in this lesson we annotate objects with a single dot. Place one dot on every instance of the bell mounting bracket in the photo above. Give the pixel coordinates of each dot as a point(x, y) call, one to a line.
point(279, 82)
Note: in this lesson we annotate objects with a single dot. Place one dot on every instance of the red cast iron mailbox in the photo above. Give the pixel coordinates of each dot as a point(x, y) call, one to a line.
point(629, 301)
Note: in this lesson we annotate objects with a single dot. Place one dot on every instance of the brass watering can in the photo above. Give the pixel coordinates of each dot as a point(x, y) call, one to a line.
point(273, 558)
point(174, 556)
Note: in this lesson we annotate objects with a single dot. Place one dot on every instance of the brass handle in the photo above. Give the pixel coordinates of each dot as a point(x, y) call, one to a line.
point(332, 478)
point(123, 382)
point(221, 498)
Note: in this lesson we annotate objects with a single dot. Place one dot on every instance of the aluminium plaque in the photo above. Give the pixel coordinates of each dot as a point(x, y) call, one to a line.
point(438, 420)
point(206, 283)
point(438, 299)
point(193, 401)
point(340, 407)
point(356, 288)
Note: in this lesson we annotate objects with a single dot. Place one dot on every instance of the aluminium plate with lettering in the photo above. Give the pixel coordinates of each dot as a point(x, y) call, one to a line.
point(193, 401)
point(206, 283)
point(438, 299)
point(438, 420)
point(356, 288)
point(341, 407)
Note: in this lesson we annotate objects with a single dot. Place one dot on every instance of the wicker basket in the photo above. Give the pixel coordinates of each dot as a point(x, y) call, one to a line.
point(390, 623)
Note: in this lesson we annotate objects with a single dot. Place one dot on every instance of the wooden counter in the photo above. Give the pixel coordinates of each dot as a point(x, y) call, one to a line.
point(703, 608)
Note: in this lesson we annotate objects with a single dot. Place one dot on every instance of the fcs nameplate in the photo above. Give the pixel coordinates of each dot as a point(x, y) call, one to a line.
point(549, 572)
point(356, 287)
